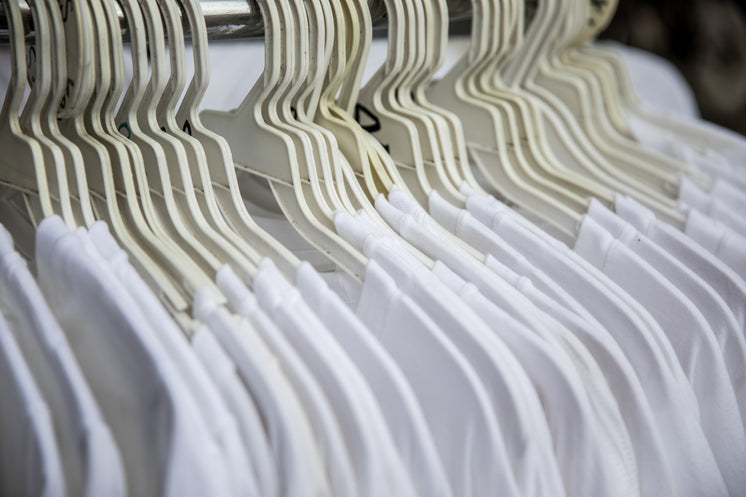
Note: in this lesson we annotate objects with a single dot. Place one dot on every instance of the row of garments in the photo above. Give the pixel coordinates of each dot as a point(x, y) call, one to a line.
point(520, 274)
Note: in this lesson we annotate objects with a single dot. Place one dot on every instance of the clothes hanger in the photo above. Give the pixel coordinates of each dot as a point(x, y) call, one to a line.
point(193, 176)
point(521, 117)
point(218, 154)
point(84, 128)
point(567, 140)
point(147, 153)
point(615, 77)
point(607, 113)
point(40, 79)
point(22, 161)
point(486, 137)
point(576, 94)
point(262, 147)
point(408, 133)
point(525, 116)
point(432, 127)
point(175, 217)
point(437, 42)
point(371, 164)
point(58, 99)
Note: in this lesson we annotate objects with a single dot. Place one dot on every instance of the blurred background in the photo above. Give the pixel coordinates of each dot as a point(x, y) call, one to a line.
point(704, 39)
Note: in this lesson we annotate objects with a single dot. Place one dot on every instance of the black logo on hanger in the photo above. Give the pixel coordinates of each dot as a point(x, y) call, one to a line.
point(294, 113)
point(187, 128)
point(65, 7)
point(124, 129)
point(70, 84)
point(373, 123)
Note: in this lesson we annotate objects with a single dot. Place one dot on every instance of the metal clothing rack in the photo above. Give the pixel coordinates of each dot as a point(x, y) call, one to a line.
point(227, 19)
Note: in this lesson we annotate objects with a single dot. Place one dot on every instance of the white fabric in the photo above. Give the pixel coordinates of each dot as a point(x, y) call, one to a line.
point(165, 446)
point(714, 309)
point(690, 336)
point(726, 244)
point(690, 195)
point(219, 420)
point(378, 468)
point(729, 194)
point(90, 459)
point(717, 274)
point(319, 411)
point(667, 389)
point(474, 338)
point(453, 399)
point(224, 374)
point(654, 472)
point(300, 473)
point(423, 234)
point(29, 457)
point(395, 397)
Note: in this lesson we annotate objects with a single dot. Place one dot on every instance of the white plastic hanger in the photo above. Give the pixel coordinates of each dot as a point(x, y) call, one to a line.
point(40, 77)
point(103, 154)
point(261, 145)
point(59, 100)
point(218, 154)
point(567, 140)
point(486, 138)
point(21, 163)
point(540, 72)
point(194, 175)
point(164, 220)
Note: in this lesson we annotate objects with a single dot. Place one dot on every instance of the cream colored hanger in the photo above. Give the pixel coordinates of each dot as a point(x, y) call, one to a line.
point(22, 161)
point(146, 152)
point(218, 154)
point(612, 71)
point(64, 57)
point(370, 163)
point(175, 216)
point(392, 125)
point(35, 110)
point(486, 138)
point(261, 145)
point(193, 176)
point(103, 154)
point(577, 91)
point(567, 140)
point(520, 117)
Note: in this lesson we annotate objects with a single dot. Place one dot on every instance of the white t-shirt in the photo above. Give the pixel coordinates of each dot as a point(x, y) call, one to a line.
point(165, 445)
point(395, 396)
point(219, 420)
point(691, 337)
point(619, 372)
point(729, 194)
point(453, 399)
point(709, 204)
point(224, 374)
point(319, 411)
point(378, 468)
point(725, 243)
point(90, 458)
point(721, 320)
point(668, 391)
point(423, 235)
point(29, 457)
point(463, 225)
point(729, 285)
point(298, 464)
point(496, 365)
